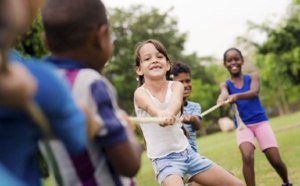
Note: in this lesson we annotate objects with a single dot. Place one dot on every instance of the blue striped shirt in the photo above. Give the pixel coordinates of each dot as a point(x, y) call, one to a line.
point(192, 108)
point(93, 167)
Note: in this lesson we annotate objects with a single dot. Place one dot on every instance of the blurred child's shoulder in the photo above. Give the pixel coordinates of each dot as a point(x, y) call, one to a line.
point(90, 75)
point(176, 85)
point(193, 104)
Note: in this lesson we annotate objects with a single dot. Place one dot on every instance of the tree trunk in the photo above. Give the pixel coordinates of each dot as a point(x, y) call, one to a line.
point(283, 100)
point(279, 107)
point(202, 131)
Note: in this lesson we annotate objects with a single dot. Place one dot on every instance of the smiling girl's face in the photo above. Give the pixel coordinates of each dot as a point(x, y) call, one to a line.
point(233, 62)
point(152, 63)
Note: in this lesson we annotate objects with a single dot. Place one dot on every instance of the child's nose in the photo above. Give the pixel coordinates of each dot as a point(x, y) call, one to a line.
point(155, 60)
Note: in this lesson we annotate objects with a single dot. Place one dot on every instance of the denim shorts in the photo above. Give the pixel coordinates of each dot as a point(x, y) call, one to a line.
point(185, 164)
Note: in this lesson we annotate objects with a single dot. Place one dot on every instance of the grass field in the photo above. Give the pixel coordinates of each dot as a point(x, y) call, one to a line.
point(222, 149)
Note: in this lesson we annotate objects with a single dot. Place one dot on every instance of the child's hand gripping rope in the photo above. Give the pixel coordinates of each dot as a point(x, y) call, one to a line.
point(161, 120)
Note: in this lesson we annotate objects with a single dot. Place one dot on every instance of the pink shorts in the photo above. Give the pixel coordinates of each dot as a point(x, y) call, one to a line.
point(263, 133)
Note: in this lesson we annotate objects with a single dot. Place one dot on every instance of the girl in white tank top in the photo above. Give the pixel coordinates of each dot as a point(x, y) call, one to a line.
point(162, 141)
point(167, 147)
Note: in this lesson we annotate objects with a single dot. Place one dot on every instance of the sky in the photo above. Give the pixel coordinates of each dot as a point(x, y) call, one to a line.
point(213, 25)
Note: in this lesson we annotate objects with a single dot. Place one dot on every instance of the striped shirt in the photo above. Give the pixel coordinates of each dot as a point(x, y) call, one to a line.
point(192, 108)
point(92, 168)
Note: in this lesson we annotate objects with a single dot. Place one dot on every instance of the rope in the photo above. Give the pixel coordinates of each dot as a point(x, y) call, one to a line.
point(138, 120)
point(241, 124)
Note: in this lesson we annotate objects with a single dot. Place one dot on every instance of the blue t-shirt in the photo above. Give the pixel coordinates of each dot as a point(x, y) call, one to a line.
point(251, 110)
point(192, 108)
point(7, 178)
point(19, 134)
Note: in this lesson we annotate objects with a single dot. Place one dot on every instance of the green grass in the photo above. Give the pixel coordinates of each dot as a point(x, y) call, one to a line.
point(222, 149)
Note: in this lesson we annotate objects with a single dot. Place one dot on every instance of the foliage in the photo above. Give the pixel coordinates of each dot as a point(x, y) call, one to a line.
point(31, 44)
point(278, 59)
point(136, 24)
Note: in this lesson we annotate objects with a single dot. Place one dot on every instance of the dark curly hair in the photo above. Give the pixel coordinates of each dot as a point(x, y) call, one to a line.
point(179, 67)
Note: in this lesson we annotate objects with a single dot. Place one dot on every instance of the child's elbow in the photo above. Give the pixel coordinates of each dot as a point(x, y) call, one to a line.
point(131, 170)
point(256, 93)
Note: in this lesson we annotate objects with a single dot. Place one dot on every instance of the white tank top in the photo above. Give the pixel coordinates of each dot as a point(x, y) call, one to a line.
point(162, 141)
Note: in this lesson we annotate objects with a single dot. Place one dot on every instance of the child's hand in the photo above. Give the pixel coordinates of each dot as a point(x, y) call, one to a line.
point(232, 98)
point(221, 102)
point(170, 118)
point(188, 119)
point(17, 86)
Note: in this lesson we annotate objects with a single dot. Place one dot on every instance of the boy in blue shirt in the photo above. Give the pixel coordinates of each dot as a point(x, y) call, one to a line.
point(191, 110)
point(19, 133)
point(79, 40)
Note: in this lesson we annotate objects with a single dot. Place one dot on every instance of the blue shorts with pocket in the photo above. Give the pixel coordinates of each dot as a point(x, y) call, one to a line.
point(185, 164)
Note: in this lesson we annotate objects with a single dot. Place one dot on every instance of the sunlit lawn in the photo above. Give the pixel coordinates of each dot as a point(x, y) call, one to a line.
point(222, 149)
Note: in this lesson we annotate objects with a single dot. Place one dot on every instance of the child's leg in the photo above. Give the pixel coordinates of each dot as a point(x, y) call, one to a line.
point(247, 151)
point(268, 145)
point(209, 177)
point(170, 169)
point(204, 172)
point(245, 140)
point(173, 180)
point(194, 184)
point(273, 156)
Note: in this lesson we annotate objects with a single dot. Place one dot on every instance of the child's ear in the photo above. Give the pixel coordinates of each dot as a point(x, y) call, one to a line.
point(103, 36)
point(139, 71)
point(168, 66)
point(45, 40)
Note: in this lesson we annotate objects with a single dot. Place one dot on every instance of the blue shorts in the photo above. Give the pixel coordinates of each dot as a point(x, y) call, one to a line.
point(185, 164)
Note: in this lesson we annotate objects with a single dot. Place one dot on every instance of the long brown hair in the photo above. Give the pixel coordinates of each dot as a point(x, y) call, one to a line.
point(160, 47)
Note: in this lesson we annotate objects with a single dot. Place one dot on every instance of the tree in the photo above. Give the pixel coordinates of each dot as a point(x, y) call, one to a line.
point(278, 59)
point(31, 44)
point(130, 26)
point(136, 24)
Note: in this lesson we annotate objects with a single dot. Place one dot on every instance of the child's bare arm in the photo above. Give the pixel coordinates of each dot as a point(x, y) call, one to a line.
point(126, 156)
point(253, 92)
point(176, 99)
point(223, 93)
point(17, 86)
point(144, 102)
point(193, 120)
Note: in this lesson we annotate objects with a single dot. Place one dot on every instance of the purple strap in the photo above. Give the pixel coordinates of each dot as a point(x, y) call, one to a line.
point(71, 76)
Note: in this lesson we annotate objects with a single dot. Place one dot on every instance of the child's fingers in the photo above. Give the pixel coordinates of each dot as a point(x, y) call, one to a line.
point(187, 119)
